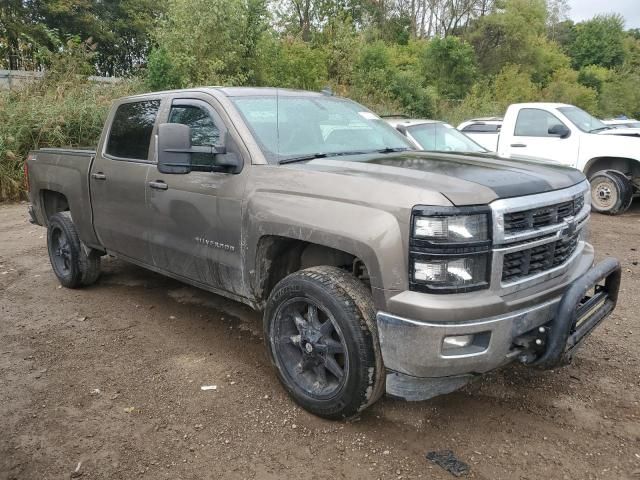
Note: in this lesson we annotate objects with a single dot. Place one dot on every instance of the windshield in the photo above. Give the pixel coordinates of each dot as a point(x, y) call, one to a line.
point(441, 137)
point(290, 126)
point(583, 120)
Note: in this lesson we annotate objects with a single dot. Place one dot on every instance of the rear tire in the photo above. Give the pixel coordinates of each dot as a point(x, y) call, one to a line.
point(611, 192)
point(321, 336)
point(73, 263)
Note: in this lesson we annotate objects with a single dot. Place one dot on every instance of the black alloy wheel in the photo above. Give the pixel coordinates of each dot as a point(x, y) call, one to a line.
point(311, 347)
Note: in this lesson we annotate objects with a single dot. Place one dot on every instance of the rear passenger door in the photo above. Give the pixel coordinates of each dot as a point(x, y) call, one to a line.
point(118, 180)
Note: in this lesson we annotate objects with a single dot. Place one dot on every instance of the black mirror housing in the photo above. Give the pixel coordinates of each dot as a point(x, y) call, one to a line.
point(559, 130)
point(174, 148)
point(175, 152)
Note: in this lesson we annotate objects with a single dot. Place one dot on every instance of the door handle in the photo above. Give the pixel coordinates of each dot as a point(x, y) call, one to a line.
point(518, 145)
point(98, 176)
point(158, 185)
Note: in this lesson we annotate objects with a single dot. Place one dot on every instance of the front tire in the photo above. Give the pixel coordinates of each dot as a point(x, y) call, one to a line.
point(74, 264)
point(611, 192)
point(321, 336)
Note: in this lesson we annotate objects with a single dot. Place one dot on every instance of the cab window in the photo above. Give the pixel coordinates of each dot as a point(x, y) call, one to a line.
point(533, 122)
point(204, 131)
point(131, 130)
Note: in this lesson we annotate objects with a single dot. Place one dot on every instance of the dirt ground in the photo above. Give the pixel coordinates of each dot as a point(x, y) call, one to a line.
point(105, 383)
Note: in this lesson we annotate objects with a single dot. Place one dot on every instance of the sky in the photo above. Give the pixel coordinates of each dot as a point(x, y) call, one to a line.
point(585, 9)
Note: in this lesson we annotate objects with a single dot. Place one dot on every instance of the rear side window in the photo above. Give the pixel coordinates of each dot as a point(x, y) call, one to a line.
point(131, 129)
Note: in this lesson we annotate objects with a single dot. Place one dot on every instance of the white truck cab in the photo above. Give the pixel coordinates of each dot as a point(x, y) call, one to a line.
point(568, 135)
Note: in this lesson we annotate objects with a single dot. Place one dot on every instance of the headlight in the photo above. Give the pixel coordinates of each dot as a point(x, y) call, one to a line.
point(452, 229)
point(450, 249)
point(453, 273)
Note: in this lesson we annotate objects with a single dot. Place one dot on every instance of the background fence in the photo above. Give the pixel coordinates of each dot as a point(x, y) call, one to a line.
point(12, 79)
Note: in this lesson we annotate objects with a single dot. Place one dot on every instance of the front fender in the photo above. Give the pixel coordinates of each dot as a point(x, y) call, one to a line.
point(375, 236)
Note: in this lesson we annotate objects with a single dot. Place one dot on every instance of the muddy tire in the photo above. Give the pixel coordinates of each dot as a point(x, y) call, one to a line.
point(321, 336)
point(73, 263)
point(611, 192)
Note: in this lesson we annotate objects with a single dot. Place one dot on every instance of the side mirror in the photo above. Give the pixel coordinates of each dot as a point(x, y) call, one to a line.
point(559, 130)
point(177, 155)
point(174, 148)
point(227, 161)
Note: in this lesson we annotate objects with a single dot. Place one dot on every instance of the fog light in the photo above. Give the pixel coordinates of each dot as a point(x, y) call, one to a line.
point(457, 341)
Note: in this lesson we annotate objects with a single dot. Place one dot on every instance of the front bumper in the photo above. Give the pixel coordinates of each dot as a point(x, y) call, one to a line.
point(421, 364)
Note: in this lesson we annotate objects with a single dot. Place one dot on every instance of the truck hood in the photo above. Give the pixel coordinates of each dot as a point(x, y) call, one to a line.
point(630, 132)
point(465, 179)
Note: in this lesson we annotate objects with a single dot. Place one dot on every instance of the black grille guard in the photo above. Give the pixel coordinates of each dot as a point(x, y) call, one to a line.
point(564, 334)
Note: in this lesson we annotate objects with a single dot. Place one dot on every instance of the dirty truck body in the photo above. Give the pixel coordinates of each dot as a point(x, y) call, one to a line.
point(378, 268)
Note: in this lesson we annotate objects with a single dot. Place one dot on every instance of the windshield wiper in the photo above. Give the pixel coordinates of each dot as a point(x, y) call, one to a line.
point(313, 156)
point(392, 150)
point(302, 158)
point(606, 127)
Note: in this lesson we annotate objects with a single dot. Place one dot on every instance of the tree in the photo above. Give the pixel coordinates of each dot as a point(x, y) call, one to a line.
point(291, 63)
point(506, 36)
point(594, 76)
point(449, 64)
point(514, 85)
point(564, 87)
point(599, 41)
point(620, 95)
point(557, 15)
point(21, 34)
point(218, 48)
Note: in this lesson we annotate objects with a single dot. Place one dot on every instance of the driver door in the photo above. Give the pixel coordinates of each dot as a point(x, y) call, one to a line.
point(197, 216)
point(531, 137)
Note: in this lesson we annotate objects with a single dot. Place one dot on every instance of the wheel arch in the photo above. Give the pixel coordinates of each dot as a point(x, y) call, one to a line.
point(52, 202)
point(628, 166)
point(277, 256)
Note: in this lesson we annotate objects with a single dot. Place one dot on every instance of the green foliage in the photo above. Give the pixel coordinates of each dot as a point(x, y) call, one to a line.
point(291, 64)
point(216, 48)
point(509, 35)
point(513, 85)
point(119, 29)
point(621, 95)
point(342, 46)
point(594, 76)
point(564, 87)
point(62, 110)
point(631, 53)
point(449, 64)
point(161, 73)
point(599, 41)
point(407, 89)
point(385, 86)
point(480, 102)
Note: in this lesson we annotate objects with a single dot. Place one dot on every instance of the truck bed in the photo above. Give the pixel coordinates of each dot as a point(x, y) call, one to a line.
point(64, 171)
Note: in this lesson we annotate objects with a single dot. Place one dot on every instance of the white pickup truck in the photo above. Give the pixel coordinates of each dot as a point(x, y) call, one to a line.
point(570, 136)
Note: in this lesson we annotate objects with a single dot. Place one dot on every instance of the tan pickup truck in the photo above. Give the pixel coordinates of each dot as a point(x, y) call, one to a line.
point(378, 268)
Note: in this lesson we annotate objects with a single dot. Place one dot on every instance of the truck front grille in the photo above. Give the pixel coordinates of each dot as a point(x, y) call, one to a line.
point(535, 218)
point(531, 261)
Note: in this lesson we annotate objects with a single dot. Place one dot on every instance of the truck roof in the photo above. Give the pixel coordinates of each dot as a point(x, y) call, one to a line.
point(237, 91)
point(408, 122)
point(540, 104)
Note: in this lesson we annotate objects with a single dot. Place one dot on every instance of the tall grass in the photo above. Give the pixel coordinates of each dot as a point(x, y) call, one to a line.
point(63, 109)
